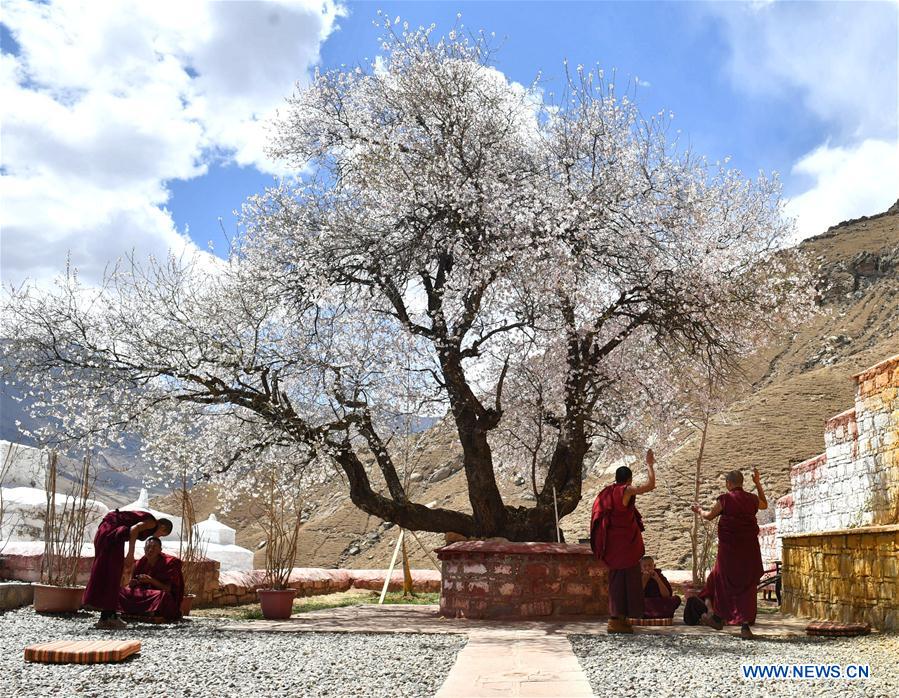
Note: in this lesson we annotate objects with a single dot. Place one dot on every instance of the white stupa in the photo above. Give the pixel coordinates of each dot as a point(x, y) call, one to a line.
point(218, 540)
point(143, 504)
point(214, 531)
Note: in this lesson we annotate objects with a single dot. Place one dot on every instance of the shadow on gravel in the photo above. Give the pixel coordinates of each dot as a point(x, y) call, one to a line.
point(710, 646)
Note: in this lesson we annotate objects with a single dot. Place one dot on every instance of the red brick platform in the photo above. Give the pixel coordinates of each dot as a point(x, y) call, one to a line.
point(493, 579)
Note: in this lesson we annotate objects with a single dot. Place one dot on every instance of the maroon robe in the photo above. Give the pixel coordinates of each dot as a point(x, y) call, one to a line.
point(102, 590)
point(141, 599)
point(616, 539)
point(732, 584)
point(654, 604)
point(616, 530)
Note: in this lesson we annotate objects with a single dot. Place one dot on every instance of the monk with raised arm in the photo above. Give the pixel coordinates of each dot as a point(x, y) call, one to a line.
point(617, 540)
point(112, 565)
point(157, 585)
point(731, 590)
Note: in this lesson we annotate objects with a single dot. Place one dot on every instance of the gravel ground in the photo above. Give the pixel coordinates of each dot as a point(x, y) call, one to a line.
point(682, 666)
point(194, 659)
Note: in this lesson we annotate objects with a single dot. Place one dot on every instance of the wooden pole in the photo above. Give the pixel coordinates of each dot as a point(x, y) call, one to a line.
point(426, 551)
point(407, 574)
point(396, 552)
point(556, 509)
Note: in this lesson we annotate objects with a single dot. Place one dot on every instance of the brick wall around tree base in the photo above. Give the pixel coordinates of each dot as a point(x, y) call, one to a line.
point(494, 579)
point(847, 576)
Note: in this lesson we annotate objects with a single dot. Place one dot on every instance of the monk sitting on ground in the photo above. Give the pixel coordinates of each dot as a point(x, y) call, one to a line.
point(731, 588)
point(157, 586)
point(616, 539)
point(658, 599)
point(112, 567)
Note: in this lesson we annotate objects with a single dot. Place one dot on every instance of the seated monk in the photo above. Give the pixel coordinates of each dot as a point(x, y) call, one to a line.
point(112, 565)
point(658, 600)
point(156, 587)
point(730, 591)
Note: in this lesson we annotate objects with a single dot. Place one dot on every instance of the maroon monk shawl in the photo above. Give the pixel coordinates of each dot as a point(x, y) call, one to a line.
point(654, 604)
point(102, 590)
point(733, 581)
point(615, 529)
point(652, 591)
point(144, 599)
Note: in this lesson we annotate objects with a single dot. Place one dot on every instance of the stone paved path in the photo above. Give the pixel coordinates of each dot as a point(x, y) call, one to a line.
point(515, 663)
point(501, 658)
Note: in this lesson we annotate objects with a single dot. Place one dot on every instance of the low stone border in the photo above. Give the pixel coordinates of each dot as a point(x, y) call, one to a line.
point(15, 595)
point(236, 588)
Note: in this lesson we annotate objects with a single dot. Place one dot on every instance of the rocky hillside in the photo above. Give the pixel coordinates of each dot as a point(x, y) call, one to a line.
point(774, 420)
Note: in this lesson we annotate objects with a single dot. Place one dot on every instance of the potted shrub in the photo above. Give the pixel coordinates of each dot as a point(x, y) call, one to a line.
point(280, 520)
point(65, 520)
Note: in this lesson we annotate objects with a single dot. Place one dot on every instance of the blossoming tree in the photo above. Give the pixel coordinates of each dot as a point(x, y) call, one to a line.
point(454, 243)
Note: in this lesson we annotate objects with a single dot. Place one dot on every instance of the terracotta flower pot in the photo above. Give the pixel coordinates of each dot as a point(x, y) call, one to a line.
point(187, 603)
point(277, 604)
point(53, 599)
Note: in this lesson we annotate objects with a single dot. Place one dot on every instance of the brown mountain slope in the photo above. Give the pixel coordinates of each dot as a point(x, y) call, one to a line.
point(792, 387)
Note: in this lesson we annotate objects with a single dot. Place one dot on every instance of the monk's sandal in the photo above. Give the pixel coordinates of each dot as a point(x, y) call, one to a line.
point(713, 621)
point(111, 624)
point(619, 626)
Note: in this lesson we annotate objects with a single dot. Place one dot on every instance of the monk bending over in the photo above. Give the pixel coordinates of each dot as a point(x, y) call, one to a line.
point(112, 566)
point(157, 585)
point(731, 590)
point(658, 599)
point(616, 539)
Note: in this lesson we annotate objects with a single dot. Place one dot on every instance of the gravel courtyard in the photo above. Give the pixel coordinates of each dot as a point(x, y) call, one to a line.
point(681, 665)
point(194, 659)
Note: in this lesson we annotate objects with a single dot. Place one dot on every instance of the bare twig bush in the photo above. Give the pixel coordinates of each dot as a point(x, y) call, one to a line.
point(65, 521)
point(280, 521)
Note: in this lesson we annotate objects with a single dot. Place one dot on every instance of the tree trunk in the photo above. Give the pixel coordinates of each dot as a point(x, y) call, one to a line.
point(489, 512)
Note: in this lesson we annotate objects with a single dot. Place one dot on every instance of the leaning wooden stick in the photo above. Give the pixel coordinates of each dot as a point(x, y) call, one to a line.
point(396, 552)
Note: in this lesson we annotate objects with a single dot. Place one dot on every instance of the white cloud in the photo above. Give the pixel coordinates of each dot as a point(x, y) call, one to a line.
point(106, 102)
point(849, 182)
point(838, 59)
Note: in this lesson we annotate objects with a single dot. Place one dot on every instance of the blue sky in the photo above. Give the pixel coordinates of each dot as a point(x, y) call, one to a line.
point(146, 123)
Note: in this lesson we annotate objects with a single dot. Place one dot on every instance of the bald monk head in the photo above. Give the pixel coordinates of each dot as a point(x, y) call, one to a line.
point(733, 480)
point(623, 475)
point(163, 528)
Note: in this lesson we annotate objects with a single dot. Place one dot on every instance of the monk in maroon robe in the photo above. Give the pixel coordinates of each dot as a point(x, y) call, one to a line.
point(659, 601)
point(112, 566)
point(731, 589)
point(157, 585)
point(616, 539)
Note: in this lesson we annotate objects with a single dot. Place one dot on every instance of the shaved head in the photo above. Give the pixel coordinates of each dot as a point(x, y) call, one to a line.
point(623, 474)
point(735, 478)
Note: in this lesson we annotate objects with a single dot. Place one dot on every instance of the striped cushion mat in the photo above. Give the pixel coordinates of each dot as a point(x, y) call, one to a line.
point(830, 629)
point(81, 651)
point(650, 621)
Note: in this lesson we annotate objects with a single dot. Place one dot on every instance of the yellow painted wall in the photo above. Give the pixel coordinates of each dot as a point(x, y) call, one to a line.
point(844, 576)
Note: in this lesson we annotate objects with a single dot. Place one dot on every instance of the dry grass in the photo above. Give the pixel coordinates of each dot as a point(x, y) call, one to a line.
point(353, 597)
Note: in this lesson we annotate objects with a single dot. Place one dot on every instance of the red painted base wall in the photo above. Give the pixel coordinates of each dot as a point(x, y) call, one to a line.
point(487, 579)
